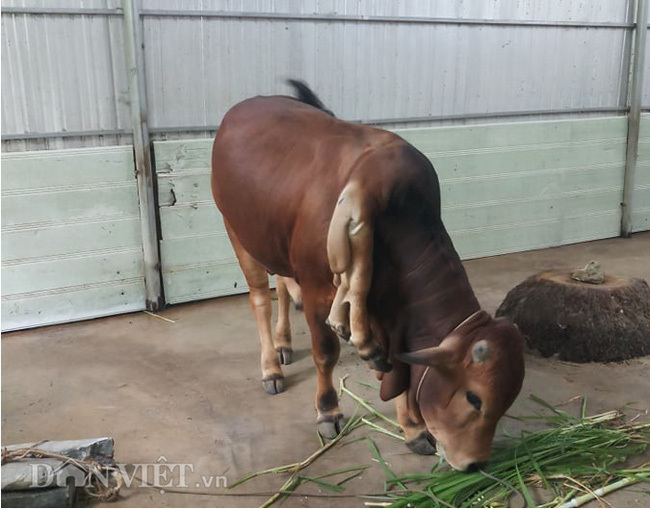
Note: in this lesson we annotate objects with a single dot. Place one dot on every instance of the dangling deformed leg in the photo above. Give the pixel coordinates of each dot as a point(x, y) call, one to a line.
point(282, 335)
point(349, 248)
point(416, 435)
point(260, 299)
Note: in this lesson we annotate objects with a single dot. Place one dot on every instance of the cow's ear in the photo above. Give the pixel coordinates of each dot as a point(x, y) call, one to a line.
point(434, 356)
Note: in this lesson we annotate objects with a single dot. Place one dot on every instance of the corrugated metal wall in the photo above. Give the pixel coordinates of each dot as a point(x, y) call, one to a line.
point(66, 73)
point(410, 64)
point(63, 74)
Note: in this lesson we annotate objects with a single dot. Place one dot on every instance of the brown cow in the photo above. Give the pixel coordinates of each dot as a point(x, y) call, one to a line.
point(352, 213)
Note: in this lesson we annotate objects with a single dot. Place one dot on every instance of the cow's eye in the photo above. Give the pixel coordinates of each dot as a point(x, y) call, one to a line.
point(474, 400)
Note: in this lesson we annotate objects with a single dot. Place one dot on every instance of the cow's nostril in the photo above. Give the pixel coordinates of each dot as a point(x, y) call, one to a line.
point(475, 467)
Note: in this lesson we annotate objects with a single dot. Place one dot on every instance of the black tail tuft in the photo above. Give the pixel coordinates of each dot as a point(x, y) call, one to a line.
point(306, 95)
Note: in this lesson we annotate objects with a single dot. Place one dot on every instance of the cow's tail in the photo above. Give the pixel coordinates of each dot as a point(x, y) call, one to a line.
point(306, 95)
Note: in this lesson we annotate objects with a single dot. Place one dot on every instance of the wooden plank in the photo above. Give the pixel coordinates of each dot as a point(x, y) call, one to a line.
point(188, 251)
point(473, 191)
point(453, 165)
point(641, 197)
point(83, 268)
point(530, 210)
point(505, 187)
point(204, 282)
point(641, 219)
point(460, 174)
point(644, 127)
point(75, 167)
point(513, 134)
point(184, 187)
point(182, 155)
point(181, 221)
point(52, 207)
point(70, 304)
point(504, 239)
point(642, 174)
point(71, 234)
point(61, 239)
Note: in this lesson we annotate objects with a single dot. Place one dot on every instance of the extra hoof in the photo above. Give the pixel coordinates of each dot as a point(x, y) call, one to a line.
point(332, 426)
point(381, 364)
point(423, 444)
point(340, 330)
point(273, 384)
point(377, 361)
point(285, 355)
point(298, 305)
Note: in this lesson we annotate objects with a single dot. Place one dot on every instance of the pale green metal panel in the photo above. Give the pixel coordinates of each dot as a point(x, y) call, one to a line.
point(641, 194)
point(505, 187)
point(196, 256)
point(71, 239)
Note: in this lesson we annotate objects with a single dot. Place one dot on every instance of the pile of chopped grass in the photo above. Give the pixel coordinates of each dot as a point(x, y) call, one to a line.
point(569, 463)
point(573, 456)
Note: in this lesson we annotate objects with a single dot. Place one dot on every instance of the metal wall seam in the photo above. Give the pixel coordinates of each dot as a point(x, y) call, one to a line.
point(634, 116)
point(276, 16)
point(144, 169)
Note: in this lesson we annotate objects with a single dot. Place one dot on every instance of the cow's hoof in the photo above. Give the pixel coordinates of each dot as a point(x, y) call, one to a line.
point(273, 384)
point(298, 305)
point(331, 426)
point(423, 444)
point(340, 330)
point(285, 355)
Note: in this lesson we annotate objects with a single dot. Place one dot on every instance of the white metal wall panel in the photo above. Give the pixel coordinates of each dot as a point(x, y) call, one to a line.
point(566, 10)
point(63, 74)
point(66, 73)
point(370, 71)
point(505, 188)
point(71, 244)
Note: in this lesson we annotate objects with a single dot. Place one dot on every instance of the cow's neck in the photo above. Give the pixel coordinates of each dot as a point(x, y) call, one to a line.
point(435, 288)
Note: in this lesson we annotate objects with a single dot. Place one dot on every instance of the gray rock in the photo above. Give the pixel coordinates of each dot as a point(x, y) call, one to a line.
point(590, 273)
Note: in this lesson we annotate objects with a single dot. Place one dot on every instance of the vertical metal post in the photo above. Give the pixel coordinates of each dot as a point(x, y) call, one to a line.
point(133, 47)
point(626, 55)
point(634, 117)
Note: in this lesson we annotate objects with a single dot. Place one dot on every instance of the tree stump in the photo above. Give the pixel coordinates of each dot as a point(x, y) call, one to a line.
point(580, 321)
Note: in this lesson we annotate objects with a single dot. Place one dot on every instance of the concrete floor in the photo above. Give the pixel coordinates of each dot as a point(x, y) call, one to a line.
point(190, 390)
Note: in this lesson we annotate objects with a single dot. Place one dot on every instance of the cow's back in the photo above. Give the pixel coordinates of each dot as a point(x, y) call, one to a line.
point(278, 167)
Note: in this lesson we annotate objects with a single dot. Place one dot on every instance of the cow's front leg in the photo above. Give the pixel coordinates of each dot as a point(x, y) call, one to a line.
point(417, 437)
point(282, 335)
point(325, 350)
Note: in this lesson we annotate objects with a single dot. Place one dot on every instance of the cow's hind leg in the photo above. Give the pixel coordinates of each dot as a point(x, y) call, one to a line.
point(325, 349)
point(295, 292)
point(282, 336)
point(260, 299)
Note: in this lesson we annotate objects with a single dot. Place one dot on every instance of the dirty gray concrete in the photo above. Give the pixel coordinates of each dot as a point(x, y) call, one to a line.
point(190, 390)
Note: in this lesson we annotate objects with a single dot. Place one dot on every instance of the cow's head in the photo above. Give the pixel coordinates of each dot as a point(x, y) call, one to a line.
point(469, 382)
